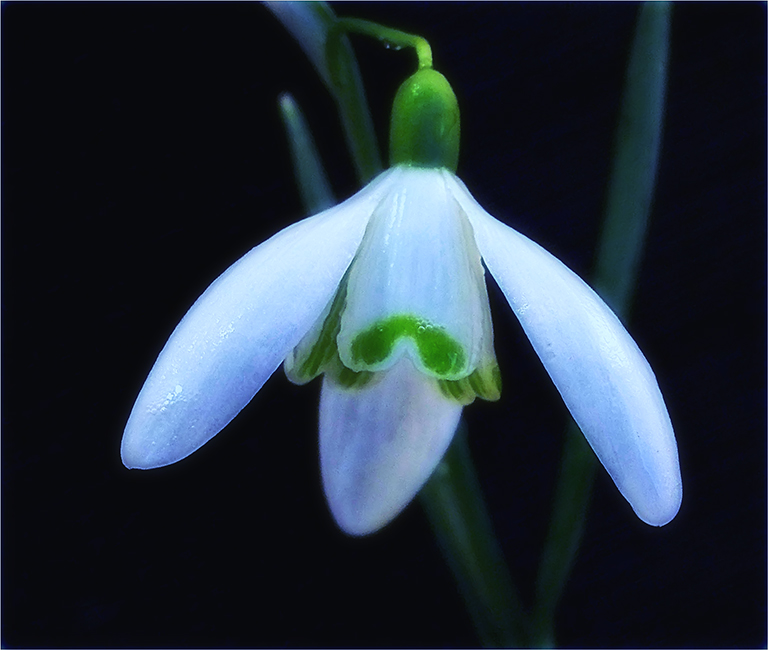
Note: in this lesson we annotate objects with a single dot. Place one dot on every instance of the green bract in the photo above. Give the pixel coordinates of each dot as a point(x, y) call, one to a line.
point(425, 123)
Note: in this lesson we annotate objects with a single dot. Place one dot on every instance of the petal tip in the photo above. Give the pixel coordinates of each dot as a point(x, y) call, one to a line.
point(359, 511)
point(133, 456)
point(380, 444)
point(662, 508)
point(358, 507)
point(358, 524)
point(139, 450)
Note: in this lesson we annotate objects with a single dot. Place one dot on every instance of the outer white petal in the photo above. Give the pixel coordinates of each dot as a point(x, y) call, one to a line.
point(603, 377)
point(379, 444)
point(240, 330)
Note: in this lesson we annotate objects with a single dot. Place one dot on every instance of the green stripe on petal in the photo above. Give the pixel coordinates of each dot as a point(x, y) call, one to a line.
point(484, 383)
point(457, 391)
point(439, 353)
point(347, 378)
point(309, 359)
point(318, 353)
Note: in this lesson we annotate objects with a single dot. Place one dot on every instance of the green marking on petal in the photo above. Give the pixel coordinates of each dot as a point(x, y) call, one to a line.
point(457, 391)
point(439, 353)
point(325, 347)
point(349, 378)
point(484, 383)
point(308, 364)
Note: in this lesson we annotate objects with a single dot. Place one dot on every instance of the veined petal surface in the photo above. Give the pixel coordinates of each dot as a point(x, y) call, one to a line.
point(379, 444)
point(604, 379)
point(417, 284)
point(240, 330)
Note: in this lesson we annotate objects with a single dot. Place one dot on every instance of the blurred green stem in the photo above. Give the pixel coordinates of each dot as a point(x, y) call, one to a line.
point(316, 29)
point(636, 159)
point(348, 91)
point(455, 507)
point(390, 37)
point(628, 206)
point(315, 190)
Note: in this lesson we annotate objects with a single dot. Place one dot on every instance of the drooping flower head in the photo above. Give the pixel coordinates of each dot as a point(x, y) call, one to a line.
point(384, 296)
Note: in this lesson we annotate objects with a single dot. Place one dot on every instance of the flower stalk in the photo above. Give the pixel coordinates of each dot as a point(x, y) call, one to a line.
point(392, 38)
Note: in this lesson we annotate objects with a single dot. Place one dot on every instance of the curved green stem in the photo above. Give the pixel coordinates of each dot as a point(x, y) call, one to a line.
point(348, 90)
point(393, 38)
point(566, 528)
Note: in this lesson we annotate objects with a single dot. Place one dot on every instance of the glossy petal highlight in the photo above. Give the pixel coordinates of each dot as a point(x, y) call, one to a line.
point(379, 444)
point(239, 331)
point(604, 379)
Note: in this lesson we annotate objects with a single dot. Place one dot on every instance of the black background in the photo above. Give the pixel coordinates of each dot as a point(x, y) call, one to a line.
point(143, 154)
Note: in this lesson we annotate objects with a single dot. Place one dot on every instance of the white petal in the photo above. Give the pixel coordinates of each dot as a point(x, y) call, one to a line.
point(418, 277)
point(603, 377)
point(239, 331)
point(379, 444)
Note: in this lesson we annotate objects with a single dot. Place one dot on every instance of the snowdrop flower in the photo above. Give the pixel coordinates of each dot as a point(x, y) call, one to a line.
point(384, 295)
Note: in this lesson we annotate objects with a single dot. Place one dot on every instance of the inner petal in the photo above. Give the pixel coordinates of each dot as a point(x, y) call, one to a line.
point(417, 286)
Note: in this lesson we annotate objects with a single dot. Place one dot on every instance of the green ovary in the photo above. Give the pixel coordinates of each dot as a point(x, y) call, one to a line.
point(439, 353)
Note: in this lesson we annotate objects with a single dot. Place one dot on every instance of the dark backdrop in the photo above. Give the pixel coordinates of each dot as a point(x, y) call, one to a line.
point(143, 154)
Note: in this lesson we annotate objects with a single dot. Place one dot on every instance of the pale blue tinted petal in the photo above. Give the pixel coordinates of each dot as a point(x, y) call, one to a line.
point(603, 377)
point(418, 269)
point(309, 23)
point(239, 331)
point(379, 444)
